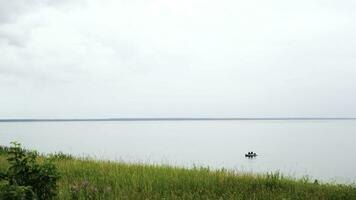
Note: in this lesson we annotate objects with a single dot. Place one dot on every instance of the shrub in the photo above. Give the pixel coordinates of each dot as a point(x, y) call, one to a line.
point(14, 192)
point(2, 176)
point(3, 150)
point(26, 172)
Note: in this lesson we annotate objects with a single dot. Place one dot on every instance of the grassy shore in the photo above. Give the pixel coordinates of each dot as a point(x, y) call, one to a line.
point(90, 179)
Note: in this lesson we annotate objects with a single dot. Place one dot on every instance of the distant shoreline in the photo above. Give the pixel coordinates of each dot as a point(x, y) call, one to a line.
point(170, 119)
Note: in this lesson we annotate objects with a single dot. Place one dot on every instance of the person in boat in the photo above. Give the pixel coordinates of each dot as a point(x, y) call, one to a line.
point(250, 154)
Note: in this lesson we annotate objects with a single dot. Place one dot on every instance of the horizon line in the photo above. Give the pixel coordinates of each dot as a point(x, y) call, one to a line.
point(172, 119)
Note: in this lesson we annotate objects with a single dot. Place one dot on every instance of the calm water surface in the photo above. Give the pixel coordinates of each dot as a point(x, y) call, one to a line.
point(322, 149)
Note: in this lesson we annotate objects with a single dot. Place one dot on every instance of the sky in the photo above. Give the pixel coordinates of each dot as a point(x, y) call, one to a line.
point(177, 58)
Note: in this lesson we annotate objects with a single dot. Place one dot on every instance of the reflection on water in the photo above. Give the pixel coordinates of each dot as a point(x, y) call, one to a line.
point(322, 149)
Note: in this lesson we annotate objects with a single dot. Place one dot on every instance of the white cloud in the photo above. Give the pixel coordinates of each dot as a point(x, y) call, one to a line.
point(177, 58)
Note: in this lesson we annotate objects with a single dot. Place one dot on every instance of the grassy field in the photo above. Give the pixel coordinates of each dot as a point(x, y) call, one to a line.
point(90, 179)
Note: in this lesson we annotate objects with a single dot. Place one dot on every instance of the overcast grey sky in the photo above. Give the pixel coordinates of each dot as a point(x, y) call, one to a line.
point(177, 58)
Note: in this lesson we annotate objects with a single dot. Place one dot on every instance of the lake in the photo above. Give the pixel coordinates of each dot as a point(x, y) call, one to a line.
point(322, 149)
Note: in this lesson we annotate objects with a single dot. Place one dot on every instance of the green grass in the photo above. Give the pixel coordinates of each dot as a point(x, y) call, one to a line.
point(90, 179)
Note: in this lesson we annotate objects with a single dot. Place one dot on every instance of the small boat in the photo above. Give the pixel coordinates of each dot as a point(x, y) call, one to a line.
point(250, 154)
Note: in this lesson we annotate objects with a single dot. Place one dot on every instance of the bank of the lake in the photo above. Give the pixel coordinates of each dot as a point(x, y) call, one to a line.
point(92, 179)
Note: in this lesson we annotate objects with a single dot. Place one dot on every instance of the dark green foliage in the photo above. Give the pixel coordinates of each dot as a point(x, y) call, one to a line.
point(14, 192)
point(3, 150)
point(2, 175)
point(25, 171)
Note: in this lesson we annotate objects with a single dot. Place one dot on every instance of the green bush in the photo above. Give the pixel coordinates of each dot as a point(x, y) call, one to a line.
point(26, 172)
point(3, 150)
point(2, 176)
point(14, 192)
